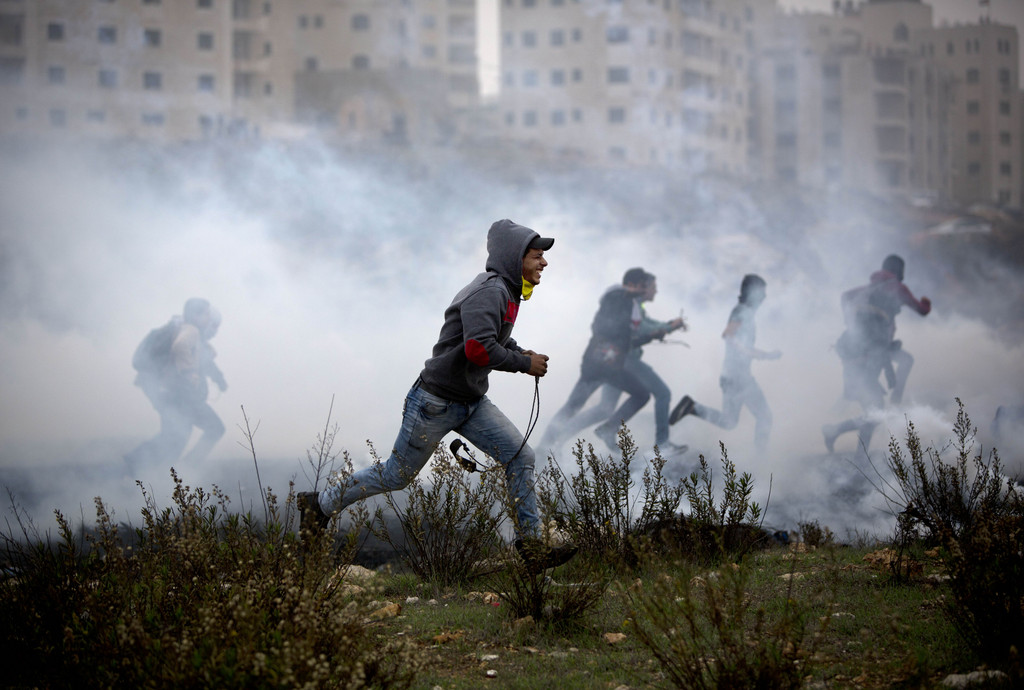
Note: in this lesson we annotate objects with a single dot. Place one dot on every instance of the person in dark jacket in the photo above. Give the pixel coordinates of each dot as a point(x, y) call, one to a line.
point(450, 394)
point(869, 349)
point(645, 331)
point(739, 387)
point(614, 333)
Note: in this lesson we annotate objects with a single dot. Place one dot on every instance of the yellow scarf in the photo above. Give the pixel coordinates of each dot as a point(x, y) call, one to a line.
point(527, 289)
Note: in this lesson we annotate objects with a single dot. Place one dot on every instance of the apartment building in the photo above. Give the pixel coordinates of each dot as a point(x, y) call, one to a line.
point(399, 69)
point(645, 82)
point(852, 101)
point(874, 96)
point(115, 68)
point(985, 112)
point(188, 69)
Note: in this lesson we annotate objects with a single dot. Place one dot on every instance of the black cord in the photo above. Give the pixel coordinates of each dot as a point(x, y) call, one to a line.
point(469, 464)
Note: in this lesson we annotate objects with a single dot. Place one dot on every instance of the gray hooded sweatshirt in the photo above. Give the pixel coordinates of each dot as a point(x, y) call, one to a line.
point(477, 333)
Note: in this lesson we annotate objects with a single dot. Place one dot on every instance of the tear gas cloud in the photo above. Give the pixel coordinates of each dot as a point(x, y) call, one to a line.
point(332, 275)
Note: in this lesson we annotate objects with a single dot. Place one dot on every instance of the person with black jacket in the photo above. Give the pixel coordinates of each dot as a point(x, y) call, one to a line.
point(614, 333)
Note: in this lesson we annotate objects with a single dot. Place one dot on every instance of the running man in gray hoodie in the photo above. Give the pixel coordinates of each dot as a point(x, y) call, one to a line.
point(450, 393)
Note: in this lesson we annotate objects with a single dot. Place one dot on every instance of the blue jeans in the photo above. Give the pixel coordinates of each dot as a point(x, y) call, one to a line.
point(427, 418)
point(610, 397)
point(737, 392)
point(566, 421)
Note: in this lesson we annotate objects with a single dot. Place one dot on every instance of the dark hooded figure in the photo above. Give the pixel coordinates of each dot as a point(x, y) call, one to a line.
point(868, 348)
point(614, 334)
point(173, 364)
point(450, 394)
point(739, 387)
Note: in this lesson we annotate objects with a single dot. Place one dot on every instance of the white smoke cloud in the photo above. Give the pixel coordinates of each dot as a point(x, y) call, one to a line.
point(332, 275)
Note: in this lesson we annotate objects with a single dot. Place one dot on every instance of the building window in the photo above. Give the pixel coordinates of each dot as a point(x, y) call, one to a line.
point(153, 119)
point(55, 32)
point(12, 71)
point(360, 62)
point(530, 118)
point(58, 118)
point(360, 22)
point(530, 77)
point(557, 118)
point(108, 78)
point(974, 169)
point(11, 29)
point(973, 76)
point(1004, 108)
point(617, 34)
point(318, 21)
point(1004, 76)
point(206, 82)
point(618, 75)
point(616, 115)
point(577, 35)
point(510, 119)
point(557, 37)
point(152, 81)
point(529, 39)
point(204, 41)
point(107, 34)
point(973, 107)
point(974, 137)
point(204, 4)
point(96, 116)
point(901, 34)
point(151, 37)
point(577, 75)
point(1006, 169)
point(461, 54)
point(55, 75)
point(150, 2)
point(303, 21)
point(577, 115)
point(1005, 138)
point(557, 77)
point(311, 64)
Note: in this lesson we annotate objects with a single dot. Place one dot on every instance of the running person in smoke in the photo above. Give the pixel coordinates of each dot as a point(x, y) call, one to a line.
point(450, 394)
point(868, 348)
point(739, 387)
point(614, 332)
point(647, 330)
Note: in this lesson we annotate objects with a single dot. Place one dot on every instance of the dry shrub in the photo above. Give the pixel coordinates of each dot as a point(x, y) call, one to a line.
point(448, 528)
point(599, 506)
point(704, 632)
point(977, 514)
point(200, 597)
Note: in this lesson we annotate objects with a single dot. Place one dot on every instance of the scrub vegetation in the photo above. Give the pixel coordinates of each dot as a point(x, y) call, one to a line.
point(675, 585)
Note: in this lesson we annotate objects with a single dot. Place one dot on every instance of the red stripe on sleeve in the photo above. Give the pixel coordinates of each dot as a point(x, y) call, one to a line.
point(476, 353)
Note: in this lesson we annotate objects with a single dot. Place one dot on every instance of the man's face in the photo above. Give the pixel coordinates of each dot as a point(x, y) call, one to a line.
point(533, 264)
point(650, 290)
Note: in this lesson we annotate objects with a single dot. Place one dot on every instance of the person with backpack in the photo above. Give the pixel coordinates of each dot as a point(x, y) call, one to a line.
point(173, 364)
point(645, 331)
point(450, 395)
point(738, 385)
point(868, 348)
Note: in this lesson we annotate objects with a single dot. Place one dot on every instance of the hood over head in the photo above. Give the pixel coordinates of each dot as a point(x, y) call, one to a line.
point(507, 244)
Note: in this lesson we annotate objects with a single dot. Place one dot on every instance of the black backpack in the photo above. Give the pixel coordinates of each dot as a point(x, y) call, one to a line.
point(154, 352)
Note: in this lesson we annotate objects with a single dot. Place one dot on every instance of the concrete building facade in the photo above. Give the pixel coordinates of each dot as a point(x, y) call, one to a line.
point(189, 69)
point(655, 82)
point(115, 68)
